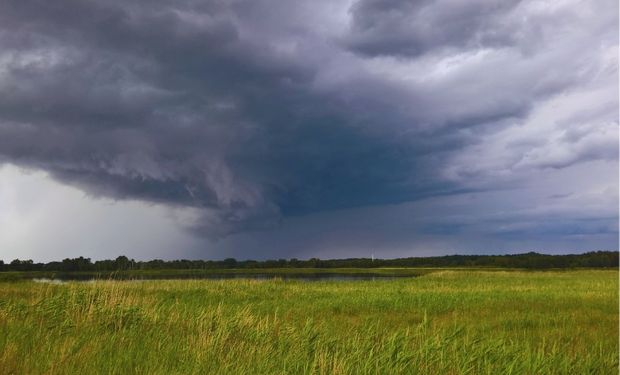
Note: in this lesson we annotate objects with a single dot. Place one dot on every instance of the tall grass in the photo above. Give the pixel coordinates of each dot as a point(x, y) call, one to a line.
point(442, 323)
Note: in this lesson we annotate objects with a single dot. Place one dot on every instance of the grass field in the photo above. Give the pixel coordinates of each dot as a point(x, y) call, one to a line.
point(445, 322)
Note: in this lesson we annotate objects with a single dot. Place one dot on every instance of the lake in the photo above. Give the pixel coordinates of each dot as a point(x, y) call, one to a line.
point(58, 279)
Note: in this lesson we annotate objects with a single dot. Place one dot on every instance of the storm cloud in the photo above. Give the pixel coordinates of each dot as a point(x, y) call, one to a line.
point(249, 113)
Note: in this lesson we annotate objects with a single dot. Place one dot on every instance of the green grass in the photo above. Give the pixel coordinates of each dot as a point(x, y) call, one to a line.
point(445, 322)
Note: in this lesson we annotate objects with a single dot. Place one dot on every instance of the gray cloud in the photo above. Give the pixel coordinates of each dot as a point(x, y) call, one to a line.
point(254, 112)
point(412, 28)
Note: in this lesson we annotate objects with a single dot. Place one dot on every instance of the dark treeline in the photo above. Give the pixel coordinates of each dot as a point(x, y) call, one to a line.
point(532, 260)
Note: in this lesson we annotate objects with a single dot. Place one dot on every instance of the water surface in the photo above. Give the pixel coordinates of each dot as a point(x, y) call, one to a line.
point(57, 279)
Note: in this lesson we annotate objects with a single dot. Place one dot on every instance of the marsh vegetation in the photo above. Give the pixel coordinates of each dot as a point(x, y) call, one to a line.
point(445, 322)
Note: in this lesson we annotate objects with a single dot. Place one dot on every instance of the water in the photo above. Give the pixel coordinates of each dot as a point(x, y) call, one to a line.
point(47, 281)
point(59, 279)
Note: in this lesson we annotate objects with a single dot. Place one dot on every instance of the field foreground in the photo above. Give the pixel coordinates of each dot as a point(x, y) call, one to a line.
point(447, 322)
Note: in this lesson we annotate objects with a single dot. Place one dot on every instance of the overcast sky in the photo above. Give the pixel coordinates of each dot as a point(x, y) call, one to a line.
point(277, 128)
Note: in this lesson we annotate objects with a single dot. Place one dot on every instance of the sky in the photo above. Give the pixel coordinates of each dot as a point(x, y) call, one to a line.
point(257, 129)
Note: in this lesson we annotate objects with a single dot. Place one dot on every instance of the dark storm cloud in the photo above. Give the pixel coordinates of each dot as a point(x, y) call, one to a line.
point(251, 111)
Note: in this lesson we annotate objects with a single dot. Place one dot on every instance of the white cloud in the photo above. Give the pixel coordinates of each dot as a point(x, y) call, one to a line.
point(572, 127)
point(43, 220)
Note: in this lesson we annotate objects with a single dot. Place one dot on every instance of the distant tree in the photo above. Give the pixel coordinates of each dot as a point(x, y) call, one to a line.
point(121, 263)
point(230, 262)
point(594, 259)
point(77, 264)
point(21, 265)
point(313, 262)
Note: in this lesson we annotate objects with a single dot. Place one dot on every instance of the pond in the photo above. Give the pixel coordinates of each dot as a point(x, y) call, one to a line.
point(59, 279)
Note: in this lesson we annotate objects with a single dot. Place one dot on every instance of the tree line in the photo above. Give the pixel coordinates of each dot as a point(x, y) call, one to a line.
point(531, 260)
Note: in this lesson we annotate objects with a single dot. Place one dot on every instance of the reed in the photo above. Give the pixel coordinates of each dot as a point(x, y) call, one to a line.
point(450, 322)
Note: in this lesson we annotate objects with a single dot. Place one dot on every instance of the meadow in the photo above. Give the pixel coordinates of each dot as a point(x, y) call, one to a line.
point(444, 322)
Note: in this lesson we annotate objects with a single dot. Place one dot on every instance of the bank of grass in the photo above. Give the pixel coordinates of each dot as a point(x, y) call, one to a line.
point(446, 322)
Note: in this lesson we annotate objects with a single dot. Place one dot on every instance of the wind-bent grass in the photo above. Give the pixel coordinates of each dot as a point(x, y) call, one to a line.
point(449, 322)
